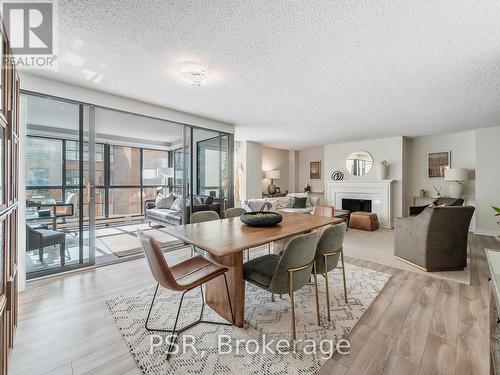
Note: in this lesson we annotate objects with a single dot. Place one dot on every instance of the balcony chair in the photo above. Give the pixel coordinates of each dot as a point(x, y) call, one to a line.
point(328, 252)
point(288, 273)
point(183, 277)
point(38, 239)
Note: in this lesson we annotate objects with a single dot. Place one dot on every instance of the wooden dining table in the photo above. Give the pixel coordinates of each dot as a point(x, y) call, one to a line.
point(224, 242)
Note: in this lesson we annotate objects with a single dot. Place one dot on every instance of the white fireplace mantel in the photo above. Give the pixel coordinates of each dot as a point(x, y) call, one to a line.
point(379, 192)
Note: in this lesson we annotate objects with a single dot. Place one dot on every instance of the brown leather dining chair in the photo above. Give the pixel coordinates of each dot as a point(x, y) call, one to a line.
point(183, 277)
point(328, 211)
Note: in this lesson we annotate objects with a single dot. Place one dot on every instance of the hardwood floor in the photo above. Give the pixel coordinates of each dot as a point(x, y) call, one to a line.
point(417, 325)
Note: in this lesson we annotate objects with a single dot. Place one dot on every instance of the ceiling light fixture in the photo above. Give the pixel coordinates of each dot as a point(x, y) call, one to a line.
point(194, 74)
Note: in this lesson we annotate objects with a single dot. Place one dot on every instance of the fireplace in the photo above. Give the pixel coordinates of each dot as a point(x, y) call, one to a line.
point(357, 205)
point(377, 193)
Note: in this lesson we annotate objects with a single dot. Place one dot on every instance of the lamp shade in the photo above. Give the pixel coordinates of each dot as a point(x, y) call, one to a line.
point(273, 174)
point(456, 174)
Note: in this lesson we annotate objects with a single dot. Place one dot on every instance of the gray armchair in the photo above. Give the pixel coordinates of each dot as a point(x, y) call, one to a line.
point(436, 239)
point(37, 239)
point(288, 273)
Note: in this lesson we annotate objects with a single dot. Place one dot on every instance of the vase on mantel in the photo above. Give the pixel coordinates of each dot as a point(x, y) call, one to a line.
point(382, 170)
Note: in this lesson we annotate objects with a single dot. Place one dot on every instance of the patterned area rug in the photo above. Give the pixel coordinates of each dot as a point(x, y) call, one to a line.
point(262, 317)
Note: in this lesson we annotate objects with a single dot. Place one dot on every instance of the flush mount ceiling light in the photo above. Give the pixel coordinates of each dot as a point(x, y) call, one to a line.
point(194, 74)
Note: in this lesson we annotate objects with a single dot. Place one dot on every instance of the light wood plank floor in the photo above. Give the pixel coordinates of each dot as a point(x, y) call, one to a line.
point(417, 325)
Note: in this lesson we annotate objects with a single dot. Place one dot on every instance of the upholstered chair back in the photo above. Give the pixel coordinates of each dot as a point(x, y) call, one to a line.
point(298, 252)
point(331, 240)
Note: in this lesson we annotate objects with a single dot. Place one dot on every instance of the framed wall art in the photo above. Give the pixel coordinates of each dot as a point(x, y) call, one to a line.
point(437, 162)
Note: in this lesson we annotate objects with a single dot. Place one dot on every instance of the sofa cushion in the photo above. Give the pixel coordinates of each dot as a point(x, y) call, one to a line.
point(309, 203)
point(165, 202)
point(299, 202)
point(177, 205)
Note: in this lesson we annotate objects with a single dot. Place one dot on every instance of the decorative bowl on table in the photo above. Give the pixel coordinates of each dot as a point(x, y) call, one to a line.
point(261, 218)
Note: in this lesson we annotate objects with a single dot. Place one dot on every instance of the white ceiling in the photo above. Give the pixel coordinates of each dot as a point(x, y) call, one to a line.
point(295, 74)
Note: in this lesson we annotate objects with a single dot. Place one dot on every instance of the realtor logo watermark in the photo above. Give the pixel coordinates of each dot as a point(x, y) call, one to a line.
point(265, 346)
point(31, 28)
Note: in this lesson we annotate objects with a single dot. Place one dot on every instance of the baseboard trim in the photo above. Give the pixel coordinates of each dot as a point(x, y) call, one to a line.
point(411, 264)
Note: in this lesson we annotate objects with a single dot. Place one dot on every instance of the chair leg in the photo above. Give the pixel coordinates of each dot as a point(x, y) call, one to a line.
point(62, 255)
point(290, 285)
point(269, 248)
point(325, 269)
point(272, 297)
point(175, 332)
point(192, 251)
point(343, 274)
point(316, 290)
point(40, 254)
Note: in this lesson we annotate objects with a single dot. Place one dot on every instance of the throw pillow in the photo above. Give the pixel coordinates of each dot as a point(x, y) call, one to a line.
point(197, 201)
point(299, 202)
point(165, 202)
point(177, 206)
point(159, 197)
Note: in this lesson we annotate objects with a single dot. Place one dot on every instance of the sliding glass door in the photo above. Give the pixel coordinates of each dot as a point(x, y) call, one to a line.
point(93, 177)
point(212, 167)
point(57, 217)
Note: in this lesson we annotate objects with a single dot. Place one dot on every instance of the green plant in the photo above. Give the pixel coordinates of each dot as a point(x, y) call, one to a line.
point(497, 210)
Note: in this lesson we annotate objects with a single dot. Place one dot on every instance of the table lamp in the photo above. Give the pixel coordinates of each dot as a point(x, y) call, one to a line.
point(455, 175)
point(272, 175)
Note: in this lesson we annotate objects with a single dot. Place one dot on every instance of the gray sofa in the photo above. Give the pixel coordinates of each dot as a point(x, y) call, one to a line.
point(434, 240)
point(166, 216)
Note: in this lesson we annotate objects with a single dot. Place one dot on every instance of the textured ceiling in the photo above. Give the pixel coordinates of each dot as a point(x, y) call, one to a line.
point(295, 74)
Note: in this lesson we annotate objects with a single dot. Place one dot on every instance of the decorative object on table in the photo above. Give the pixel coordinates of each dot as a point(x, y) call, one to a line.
point(272, 175)
point(456, 175)
point(315, 170)
point(261, 218)
point(422, 193)
point(359, 163)
point(277, 190)
point(437, 163)
point(438, 192)
point(382, 169)
point(307, 188)
point(337, 176)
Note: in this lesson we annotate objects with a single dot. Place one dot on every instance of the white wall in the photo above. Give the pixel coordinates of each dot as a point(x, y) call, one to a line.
point(305, 157)
point(276, 159)
point(59, 89)
point(390, 149)
point(463, 155)
point(487, 179)
point(248, 175)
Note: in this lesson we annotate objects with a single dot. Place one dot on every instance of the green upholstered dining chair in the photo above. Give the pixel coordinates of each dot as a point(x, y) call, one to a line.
point(199, 217)
point(233, 212)
point(288, 273)
point(328, 253)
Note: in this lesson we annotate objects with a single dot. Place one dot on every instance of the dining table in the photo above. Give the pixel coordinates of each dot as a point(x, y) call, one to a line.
point(224, 242)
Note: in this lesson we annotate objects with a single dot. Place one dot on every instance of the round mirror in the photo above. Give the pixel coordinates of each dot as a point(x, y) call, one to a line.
point(359, 163)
